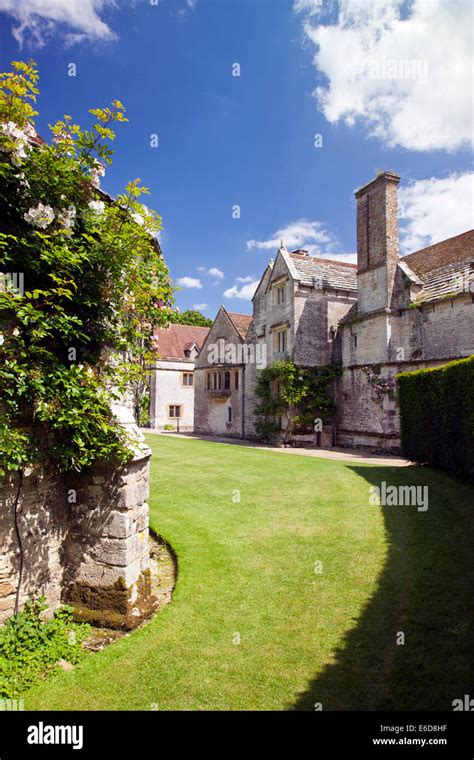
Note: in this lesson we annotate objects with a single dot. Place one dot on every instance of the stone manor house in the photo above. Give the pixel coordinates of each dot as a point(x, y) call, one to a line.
point(378, 317)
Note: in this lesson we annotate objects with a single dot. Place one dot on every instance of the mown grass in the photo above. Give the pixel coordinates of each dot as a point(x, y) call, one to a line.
point(247, 573)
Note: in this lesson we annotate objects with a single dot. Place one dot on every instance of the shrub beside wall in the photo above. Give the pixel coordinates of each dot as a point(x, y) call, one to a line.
point(437, 415)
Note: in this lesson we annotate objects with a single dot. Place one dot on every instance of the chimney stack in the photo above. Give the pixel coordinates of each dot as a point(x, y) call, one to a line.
point(377, 240)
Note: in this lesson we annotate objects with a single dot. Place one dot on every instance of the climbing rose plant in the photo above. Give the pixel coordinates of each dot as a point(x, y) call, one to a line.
point(380, 385)
point(291, 398)
point(82, 285)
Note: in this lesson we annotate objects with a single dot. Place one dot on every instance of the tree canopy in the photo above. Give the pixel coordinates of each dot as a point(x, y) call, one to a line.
point(190, 317)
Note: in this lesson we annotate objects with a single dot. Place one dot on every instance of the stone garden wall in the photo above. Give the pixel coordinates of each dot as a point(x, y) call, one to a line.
point(85, 542)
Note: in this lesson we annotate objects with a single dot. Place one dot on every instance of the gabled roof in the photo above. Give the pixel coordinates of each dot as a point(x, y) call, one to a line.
point(267, 270)
point(338, 275)
point(172, 342)
point(241, 322)
point(443, 268)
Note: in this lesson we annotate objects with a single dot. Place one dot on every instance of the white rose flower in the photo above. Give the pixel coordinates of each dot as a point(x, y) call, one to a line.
point(94, 178)
point(10, 129)
point(97, 207)
point(41, 216)
point(30, 130)
point(99, 168)
point(67, 217)
point(20, 138)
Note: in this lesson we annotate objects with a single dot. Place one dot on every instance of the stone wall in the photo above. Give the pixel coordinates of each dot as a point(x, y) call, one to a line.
point(85, 542)
point(42, 516)
point(396, 342)
point(316, 312)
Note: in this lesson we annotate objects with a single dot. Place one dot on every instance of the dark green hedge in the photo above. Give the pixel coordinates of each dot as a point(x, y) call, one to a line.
point(437, 415)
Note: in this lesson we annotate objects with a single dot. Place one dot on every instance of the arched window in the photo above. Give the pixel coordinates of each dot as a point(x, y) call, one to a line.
point(227, 381)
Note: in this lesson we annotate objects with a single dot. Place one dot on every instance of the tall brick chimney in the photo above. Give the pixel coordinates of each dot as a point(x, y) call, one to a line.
point(377, 241)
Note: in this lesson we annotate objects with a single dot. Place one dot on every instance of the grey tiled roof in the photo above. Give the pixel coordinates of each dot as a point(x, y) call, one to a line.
point(337, 275)
point(443, 268)
point(449, 279)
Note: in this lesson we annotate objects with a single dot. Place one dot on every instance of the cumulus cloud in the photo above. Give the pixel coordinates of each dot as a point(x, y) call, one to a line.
point(245, 292)
point(247, 278)
point(200, 306)
point(215, 272)
point(388, 67)
point(189, 282)
point(37, 20)
point(303, 233)
point(435, 209)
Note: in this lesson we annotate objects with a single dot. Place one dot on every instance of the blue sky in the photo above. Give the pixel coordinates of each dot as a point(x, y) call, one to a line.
point(249, 140)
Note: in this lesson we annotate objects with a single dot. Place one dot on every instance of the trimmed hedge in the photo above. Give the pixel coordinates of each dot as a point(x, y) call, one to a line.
point(437, 415)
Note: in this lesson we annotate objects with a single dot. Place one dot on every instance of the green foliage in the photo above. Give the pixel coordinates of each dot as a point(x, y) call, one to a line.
point(30, 647)
point(144, 409)
point(437, 415)
point(169, 426)
point(190, 317)
point(95, 286)
point(292, 397)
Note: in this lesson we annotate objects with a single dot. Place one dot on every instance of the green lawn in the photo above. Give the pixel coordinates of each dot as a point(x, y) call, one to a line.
point(247, 569)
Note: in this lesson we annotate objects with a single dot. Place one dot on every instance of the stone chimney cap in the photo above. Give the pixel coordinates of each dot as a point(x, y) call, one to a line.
point(382, 175)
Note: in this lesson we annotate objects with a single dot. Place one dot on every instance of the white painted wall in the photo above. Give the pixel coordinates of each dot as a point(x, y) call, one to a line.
point(167, 388)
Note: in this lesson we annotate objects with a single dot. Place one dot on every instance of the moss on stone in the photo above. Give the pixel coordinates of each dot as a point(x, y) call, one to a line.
point(111, 606)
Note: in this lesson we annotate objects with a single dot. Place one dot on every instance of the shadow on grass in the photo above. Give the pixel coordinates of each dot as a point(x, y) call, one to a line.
point(426, 592)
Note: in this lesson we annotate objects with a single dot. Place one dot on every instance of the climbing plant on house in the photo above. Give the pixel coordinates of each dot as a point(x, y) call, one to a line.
point(83, 284)
point(291, 398)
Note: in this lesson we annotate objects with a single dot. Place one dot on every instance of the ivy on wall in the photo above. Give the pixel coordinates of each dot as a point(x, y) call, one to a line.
point(291, 398)
point(82, 285)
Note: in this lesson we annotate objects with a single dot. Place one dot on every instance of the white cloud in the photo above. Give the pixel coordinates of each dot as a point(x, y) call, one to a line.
point(212, 271)
point(200, 306)
point(39, 19)
point(189, 282)
point(435, 209)
point(313, 7)
point(247, 278)
point(215, 272)
point(367, 53)
point(312, 236)
point(245, 292)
